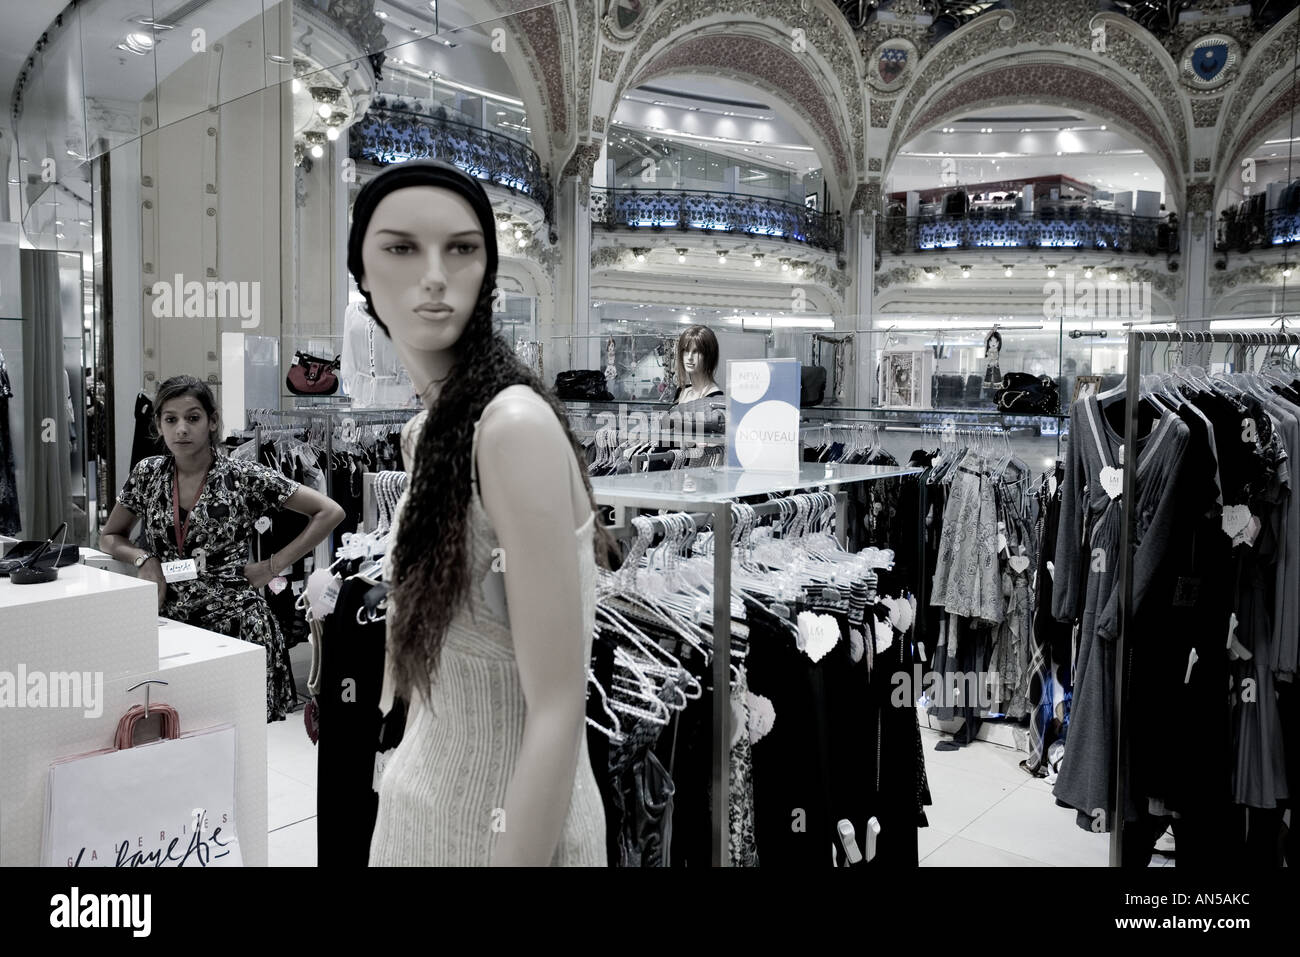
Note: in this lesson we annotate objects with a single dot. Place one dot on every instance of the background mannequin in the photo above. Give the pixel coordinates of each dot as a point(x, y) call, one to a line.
point(697, 361)
point(372, 374)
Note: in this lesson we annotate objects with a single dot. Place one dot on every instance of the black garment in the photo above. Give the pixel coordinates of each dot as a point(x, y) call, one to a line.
point(793, 827)
point(351, 683)
point(143, 444)
point(285, 527)
point(9, 520)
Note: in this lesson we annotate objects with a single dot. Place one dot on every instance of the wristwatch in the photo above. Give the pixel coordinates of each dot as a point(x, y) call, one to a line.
point(139, 562)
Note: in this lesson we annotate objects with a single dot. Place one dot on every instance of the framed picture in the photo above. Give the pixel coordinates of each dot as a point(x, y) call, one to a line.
point(905, 378)
point(1085, 385)
point(810, 200)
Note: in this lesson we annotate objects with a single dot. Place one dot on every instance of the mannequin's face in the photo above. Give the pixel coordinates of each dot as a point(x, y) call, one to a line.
point(184, 426)
point(692, 362)
point(424, 259)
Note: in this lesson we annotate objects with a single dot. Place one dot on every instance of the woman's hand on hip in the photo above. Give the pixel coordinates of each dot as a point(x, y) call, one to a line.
point(259, 574)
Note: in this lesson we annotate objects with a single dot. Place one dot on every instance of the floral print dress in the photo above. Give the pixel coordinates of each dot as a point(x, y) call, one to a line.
point(221, 599)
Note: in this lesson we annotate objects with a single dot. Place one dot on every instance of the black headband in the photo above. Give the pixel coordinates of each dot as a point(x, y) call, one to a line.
point(421, 172)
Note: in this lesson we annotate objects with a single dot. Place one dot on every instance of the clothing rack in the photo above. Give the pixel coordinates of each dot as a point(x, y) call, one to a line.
point(712, 491)
point(1128, 534)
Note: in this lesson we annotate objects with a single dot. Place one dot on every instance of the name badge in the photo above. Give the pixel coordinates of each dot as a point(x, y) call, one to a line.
point(182, 571)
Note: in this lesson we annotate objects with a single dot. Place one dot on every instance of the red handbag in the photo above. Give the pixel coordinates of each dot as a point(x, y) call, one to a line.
point(311, 375)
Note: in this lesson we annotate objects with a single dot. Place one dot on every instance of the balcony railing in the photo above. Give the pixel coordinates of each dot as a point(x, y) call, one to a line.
point(710, 211)
point(1261, 230)
point(1079, 229)
point(385, 135)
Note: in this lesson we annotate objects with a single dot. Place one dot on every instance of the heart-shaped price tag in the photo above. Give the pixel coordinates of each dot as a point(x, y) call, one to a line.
point(1018, 564)
point(277, 584)
point(1112, 481)
point(1235, 520)
point(263, 524)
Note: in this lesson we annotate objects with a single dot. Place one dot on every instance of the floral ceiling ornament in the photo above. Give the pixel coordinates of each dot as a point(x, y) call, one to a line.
point(1210, 62)
point(1205, 113)
point(622, 18)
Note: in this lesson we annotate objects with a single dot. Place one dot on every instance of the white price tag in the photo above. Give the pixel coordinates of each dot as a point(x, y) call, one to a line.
point(381, 762)
point(181, 571)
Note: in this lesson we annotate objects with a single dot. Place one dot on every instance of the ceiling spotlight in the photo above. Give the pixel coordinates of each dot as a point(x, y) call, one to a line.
point(519, 233)
point(1103, 126)
point(1008, 270)
point(1112, 275)
point(138, 43)
point(722, 259)
point(381, 15)
point(324, 110)
point(640, 255)
point(681, 255)
point(317, 151)
point(1087, 272)
point(332, 133)
point(785, 265)
point(1286, 272)
point(296, 85)
point(758, 260)
point(965, 272)
point(1051, 271)
point(929, 272)
point(523, 242)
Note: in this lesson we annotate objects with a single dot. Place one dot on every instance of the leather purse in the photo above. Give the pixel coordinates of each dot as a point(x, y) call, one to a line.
point(588, 384)
point(1025, 394)
point(312, 375)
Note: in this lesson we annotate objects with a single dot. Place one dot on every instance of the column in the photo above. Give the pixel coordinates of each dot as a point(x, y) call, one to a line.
point(860, 247)
point(573, 282)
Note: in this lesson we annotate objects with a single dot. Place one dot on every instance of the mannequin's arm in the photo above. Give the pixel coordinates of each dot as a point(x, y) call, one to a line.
point(524, 464)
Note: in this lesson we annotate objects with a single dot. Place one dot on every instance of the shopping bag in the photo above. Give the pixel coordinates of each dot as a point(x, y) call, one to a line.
point(166, 804)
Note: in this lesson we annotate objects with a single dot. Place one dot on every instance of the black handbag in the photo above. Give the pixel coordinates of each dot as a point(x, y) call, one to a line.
point(312, 375)
point(587, 384)
point(1025, 394)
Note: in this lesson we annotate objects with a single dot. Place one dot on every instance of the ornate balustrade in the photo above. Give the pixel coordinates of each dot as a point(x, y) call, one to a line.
point(710, 211)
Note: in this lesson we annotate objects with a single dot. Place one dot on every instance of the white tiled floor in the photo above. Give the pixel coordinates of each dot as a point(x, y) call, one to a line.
point(987, 812)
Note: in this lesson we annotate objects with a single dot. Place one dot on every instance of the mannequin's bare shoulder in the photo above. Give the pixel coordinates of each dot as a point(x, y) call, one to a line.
point(521, 444)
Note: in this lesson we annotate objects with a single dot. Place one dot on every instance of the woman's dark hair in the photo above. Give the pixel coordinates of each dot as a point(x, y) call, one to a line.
point(988, 340)
point(431, 554)
point(179, 387)
point(697, 339)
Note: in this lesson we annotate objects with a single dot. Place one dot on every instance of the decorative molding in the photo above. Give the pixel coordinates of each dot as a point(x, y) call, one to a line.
point(1164, 283)
point(896, 276)
point(881, 112)
point(1276, 58)
point(1209, 62)
point(1042, 83)
point(866, 198)
point(607, 256)
point(891, 63)
point(610, 61)
point(536, 30)
point(1201, 164)
point(768, 64)
point(598, 124)
point(1259, 274)
point(874, 164)
point(1279, 107)
point(586, 50)
point(827, 35)
point(621, 21)
point(1041, 23)
point(1206, 112)
point(581, 163)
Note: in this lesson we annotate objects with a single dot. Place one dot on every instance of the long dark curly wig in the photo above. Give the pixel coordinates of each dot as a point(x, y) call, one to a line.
point(431, 554)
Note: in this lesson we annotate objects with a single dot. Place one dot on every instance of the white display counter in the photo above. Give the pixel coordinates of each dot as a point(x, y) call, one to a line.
point(99, 622)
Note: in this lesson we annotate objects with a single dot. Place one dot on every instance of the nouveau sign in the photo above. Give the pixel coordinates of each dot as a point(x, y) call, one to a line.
point(763, 414)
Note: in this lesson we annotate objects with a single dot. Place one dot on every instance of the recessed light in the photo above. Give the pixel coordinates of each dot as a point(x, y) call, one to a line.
point(318, 151)
point(381, 14)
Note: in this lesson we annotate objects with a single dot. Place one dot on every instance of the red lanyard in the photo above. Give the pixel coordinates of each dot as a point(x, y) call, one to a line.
point(176, 509)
